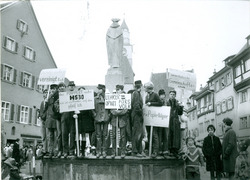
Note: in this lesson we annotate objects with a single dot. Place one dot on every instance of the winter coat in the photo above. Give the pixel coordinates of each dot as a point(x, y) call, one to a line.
point(137, 106)
point(174, 124)
point(212, 153)
point(154, 99)
point(122, 117)
point(42, 112)
point(16, 152)
point(86, 122)
point(229, 150)
point(51, 113)
point(102, 114)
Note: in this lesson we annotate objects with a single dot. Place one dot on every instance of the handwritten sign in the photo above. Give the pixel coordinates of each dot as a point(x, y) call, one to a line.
point(51, 76)
point(76, 100)
point(118, 101)
point(156, 116)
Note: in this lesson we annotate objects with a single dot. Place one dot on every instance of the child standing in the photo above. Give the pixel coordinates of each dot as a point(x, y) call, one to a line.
point(193, 158)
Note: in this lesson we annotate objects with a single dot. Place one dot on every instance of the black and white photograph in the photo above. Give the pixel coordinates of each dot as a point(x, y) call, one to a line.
point(125, 89)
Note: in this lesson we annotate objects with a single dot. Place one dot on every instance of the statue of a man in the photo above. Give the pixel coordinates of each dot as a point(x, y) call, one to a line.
point(114, 42)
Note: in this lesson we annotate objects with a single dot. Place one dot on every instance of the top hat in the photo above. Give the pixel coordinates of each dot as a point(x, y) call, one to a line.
point(101, 86)
point(161, 92)
point(71, 83)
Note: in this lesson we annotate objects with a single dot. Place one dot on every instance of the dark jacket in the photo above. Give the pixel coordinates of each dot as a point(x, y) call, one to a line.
point(229, 150)
point(42, 112)
point(212, 153)
point(16, 152)
point(51, 113)
point(102, 114)
point(154, 99)
point(137, 106)
point(122, 117)
point(86, 122)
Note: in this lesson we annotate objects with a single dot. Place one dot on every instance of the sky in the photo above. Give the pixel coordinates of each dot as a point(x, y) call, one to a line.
point(165, 34)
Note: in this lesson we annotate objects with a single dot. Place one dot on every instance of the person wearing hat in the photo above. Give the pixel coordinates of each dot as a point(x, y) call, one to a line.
point(121, 116)
point(51, 118)
point(101, 116)
point(42, 118)
point(163, 131)
point(193, 159)
point(153, 99)
point(137, 120)
point(212, 150)
point(229, 148)
point(174, 134)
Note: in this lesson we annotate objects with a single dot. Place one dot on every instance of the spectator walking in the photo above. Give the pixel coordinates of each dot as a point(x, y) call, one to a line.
point(229, 148)
point(212, 150)
point(16, 152)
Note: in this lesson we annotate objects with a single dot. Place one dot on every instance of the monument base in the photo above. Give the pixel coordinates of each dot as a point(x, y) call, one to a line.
point(130, 168)
point(112, 78)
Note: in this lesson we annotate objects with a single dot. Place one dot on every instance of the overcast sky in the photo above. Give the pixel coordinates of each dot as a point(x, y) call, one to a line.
point(165, 34)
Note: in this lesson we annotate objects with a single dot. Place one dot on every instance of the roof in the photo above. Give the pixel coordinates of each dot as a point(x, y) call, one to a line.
point(124, 25)
point(5, 4)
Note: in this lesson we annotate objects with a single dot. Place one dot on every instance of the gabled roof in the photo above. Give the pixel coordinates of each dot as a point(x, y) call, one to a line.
point(12, 4)
point(5, 4)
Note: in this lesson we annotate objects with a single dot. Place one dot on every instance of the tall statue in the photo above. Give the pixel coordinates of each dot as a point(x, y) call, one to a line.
point(114, 42)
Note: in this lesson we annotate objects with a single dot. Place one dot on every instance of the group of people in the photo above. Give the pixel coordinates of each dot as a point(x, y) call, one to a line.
point(59, 131)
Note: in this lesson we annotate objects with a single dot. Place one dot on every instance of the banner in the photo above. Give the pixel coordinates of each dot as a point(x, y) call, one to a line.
point(51, 76)
point(76, 100)
point(117, 101)
point(156, 116)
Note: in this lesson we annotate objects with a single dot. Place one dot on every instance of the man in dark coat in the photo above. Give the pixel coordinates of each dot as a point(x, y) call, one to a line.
point(137, 120)
point(212, 150)
point(16, 152)
point(174, 134)
point(153, 99)
point(229, 148)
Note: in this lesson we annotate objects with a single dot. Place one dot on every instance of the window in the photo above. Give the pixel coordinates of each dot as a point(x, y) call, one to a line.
point(224, 106)
point(247, 65)
point(42, 87)
point(6, 110)
point(24, 112)
point(243, 97)
point(228, 78)
point(27, 80)
point(217, 87)
point(29, 53)
point(10, 44)
point(37, 120)
point(13, 131)
point(218, 108)
point(244, 123)
point(222, 83)
point(8, 73)
point(237, 71)
point(22, 26)
point(230, 103)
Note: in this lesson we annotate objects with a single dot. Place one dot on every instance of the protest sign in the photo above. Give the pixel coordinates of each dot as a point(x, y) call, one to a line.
point(76, 100)
point(51, 76)
point(156, 116)
point(117, 101)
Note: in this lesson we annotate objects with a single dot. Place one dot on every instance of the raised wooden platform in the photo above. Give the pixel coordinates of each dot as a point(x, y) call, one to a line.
point(130, 168)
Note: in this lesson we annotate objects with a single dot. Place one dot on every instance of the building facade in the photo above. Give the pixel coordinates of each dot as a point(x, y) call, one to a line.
point(24, 53)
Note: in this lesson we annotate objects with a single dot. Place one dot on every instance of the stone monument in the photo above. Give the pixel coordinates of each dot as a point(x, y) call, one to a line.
point(114, 43)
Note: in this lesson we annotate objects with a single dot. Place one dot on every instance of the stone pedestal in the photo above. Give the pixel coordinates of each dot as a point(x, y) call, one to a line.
point(113, 77)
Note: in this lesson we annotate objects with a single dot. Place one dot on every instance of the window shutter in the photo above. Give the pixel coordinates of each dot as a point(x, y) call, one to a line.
point(5, 41)
point(18, 113)
point(18, 24)
point(37, 86)
point(33, 82)
point(27, 27)
point(16, 47)
point(34, 55)
point(2, 68)
point(14, 75)
point(24, 50)
point(21, 79)
point(12, 112)
point(30, 116)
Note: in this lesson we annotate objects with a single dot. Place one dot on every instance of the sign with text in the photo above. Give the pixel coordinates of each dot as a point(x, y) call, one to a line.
point(117, 101)
point(76, 100)
point(181, 79)
point(51, 76)
point(156, 116)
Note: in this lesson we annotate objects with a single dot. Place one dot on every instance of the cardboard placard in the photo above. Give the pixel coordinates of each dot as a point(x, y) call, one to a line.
point(156, 116)
point(51, 76)
point(117, 101)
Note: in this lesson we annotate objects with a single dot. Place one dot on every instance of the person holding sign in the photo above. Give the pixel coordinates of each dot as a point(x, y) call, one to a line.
point(51, 117)
point(137, 120)
point(119, 115)
point(153, 99)
point(174, 134)
point(101, 116)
